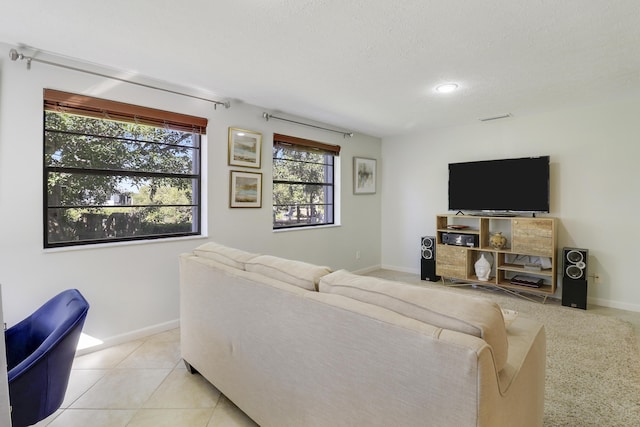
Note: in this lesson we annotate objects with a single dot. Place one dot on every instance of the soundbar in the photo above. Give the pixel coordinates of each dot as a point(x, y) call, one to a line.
point(459, 239)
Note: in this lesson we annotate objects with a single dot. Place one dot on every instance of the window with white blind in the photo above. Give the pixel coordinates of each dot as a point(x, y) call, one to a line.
point(118, 172)
point(303, 182)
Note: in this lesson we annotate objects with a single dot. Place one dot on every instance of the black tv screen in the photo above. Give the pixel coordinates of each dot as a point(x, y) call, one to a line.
point(505, 185)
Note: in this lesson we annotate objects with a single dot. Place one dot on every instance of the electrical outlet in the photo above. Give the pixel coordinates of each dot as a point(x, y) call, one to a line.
point(357, 254)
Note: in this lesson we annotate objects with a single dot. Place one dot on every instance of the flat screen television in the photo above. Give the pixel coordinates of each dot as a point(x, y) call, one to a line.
point(504, 185)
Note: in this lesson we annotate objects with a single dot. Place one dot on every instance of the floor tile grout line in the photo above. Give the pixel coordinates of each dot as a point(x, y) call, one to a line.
point(143, 342)
point(156, 389)
point(87, 390)
point(113, 368)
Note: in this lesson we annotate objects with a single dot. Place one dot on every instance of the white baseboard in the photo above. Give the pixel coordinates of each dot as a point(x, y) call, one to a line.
point(131, 336)
point(613, 304)
point(558, 295)
point(401, 269)
point(367, 269)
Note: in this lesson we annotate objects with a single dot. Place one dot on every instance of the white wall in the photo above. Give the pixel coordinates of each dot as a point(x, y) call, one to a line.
point(135, 286)
point(595, 180)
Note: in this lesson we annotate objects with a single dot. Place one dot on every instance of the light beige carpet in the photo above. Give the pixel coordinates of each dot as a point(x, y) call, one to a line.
point(593, 362)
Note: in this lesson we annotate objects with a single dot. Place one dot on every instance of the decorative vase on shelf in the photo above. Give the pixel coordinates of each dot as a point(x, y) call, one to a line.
point(483, 268)
point(497, 241)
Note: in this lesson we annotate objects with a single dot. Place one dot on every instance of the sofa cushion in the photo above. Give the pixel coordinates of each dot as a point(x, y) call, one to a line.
point(293, 272)
point(471, 315)
point(224, 254)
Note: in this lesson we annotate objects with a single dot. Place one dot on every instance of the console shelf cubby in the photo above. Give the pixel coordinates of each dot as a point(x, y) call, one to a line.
point(530, 251)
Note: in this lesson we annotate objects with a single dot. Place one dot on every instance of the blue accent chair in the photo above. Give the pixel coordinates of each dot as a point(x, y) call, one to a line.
point(40, 352)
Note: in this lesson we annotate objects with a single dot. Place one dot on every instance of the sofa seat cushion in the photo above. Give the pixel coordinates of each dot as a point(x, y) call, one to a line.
point(471, 315)
point(229, 256)
point(296, 273)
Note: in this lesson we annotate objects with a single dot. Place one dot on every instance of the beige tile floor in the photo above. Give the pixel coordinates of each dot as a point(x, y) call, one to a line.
point(142, 383)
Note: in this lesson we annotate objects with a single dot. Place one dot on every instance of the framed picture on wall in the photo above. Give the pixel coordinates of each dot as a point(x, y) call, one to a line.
point(245, 190)
point(245, 148)
point(364, 175)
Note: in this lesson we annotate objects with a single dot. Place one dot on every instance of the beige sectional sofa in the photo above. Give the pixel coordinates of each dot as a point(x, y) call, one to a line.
point(294, 344)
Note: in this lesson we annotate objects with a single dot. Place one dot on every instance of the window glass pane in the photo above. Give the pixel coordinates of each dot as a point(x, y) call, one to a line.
point(76, 225)
point(110, 128)
point(108, 181)
point(302, 187)
point(298, 193)
point(291, 153)
point(296, 171)
point(90, 151)
point(71, 189)
point(297, 215)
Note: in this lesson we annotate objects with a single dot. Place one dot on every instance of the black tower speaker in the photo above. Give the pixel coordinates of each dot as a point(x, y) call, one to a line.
point(428, 259)
point(574, 277)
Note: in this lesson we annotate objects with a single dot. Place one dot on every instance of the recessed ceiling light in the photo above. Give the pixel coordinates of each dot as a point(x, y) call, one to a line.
point(446, 87)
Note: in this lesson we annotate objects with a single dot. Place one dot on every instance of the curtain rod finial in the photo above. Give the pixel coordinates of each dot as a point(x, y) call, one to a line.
point(14, 55)
point(266, 116)
point(226, 104)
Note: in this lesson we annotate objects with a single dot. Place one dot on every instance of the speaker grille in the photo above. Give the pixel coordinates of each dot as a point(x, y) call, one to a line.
point(575, 263)
point(575, 256)
point(574, 272)
point(428, 258)
point(427, 244)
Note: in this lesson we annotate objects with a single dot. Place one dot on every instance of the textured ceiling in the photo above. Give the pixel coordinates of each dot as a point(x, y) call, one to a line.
point(367, 66)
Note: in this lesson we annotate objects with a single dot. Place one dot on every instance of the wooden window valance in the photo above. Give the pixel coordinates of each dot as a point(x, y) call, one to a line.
point(83, 105)
point(300, 143)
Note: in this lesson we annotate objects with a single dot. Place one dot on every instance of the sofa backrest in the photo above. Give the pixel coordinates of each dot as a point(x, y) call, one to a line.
point(297, 273)
point(232, 257)
point(471, 315)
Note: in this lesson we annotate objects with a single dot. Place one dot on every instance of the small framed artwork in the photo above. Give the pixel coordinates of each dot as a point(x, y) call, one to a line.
point(245, 190)
point(364, 175)
point(245, 148)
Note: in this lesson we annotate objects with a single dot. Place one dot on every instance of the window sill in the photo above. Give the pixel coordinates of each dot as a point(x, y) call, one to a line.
point(120, 244)
point(313, 227)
